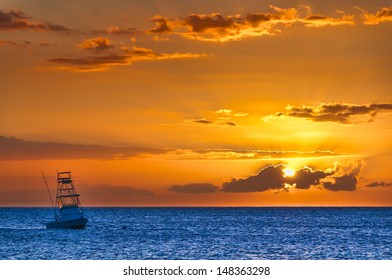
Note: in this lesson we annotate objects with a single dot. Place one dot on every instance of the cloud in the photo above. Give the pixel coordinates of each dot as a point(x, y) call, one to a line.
point(230, 123)
point(215, 27)
point(97, 44)
point(17, 20)
point(383, 15)
point(6, 42)
point(17, 149)
point(221, 117)
point(235, 154)
point(126, 57)
point(335, 112)
point(321, 21)
point(269, 178)
point(272, 177)
point(46, 44)
point(107, 189)
point(343, 183)
point(201, 121)
point(115, 30)
point(195, 188)
point(379, 184)
point(204, 121)
point(162, 25)
point(306, 177)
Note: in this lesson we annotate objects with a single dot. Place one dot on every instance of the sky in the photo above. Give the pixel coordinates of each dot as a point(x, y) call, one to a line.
point(197, 103)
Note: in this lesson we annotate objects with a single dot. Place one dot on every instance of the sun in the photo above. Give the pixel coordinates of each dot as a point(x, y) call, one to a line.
point(288, 172)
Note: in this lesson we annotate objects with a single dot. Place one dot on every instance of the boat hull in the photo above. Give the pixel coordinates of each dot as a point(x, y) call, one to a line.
point(72, 224)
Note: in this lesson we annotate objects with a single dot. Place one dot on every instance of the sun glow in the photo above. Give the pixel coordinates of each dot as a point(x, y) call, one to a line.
point(288, 172)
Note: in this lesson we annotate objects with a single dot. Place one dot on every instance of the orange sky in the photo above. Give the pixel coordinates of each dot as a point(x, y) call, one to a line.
point(202, 103)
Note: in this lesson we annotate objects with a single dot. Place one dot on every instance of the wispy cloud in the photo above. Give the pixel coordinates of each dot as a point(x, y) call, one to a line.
point(207, 122)
point(17, 149)
point(195, 188)
point(18, 20)
point(6, 42)
point(379, 184)
point(221, 117)
point(123, 57)
point(236, 154)
point(336, 112)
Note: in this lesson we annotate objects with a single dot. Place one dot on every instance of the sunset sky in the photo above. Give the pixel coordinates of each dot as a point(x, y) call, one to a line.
point(197, 103)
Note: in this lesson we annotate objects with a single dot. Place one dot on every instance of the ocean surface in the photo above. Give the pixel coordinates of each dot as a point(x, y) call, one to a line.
point(201, 233)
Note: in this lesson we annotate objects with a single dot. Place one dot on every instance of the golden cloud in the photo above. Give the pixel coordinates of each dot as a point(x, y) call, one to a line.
point(383, 15)
point(98, 44)
point(215, 27)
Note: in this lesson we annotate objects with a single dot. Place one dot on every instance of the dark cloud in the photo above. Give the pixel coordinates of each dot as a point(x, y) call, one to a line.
point(341, 113)
point(16, 149)
point(272, 177)
point(203, 22)
point(306, 177)
point(343, 183)
point(230, 123)
point(195, 188)
point(17, 20)
point(162, 25)
point(202, 121)
point(269, 178)
point(379, 184)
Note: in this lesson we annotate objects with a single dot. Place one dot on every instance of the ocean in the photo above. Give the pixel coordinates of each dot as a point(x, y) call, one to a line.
point(205, 233)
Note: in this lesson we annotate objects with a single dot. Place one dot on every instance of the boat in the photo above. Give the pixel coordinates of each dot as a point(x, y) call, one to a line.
point(68, 211)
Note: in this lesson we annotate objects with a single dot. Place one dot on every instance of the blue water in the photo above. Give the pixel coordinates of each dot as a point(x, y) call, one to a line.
point(201, 233)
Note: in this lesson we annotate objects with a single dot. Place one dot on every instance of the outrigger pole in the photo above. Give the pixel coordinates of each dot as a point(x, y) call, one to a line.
point(50, 195)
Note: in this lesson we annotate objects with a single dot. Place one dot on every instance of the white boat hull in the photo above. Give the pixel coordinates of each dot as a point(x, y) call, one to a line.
point(72, 224)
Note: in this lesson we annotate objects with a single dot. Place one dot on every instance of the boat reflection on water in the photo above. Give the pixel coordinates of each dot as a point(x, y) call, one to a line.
point(68, 212)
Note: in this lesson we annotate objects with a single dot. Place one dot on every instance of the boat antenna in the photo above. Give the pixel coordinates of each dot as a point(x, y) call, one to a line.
point(50, 195)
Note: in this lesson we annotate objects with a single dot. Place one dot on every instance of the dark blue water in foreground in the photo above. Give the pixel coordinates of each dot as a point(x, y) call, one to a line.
point(201, 233)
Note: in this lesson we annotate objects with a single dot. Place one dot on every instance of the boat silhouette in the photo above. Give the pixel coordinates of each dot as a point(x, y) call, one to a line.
point(68, 211)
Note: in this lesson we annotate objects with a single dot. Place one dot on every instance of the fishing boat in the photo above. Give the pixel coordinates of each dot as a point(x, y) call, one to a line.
point(68, 212)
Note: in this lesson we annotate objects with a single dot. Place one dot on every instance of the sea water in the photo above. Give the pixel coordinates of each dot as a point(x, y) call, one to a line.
point(273, 233)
